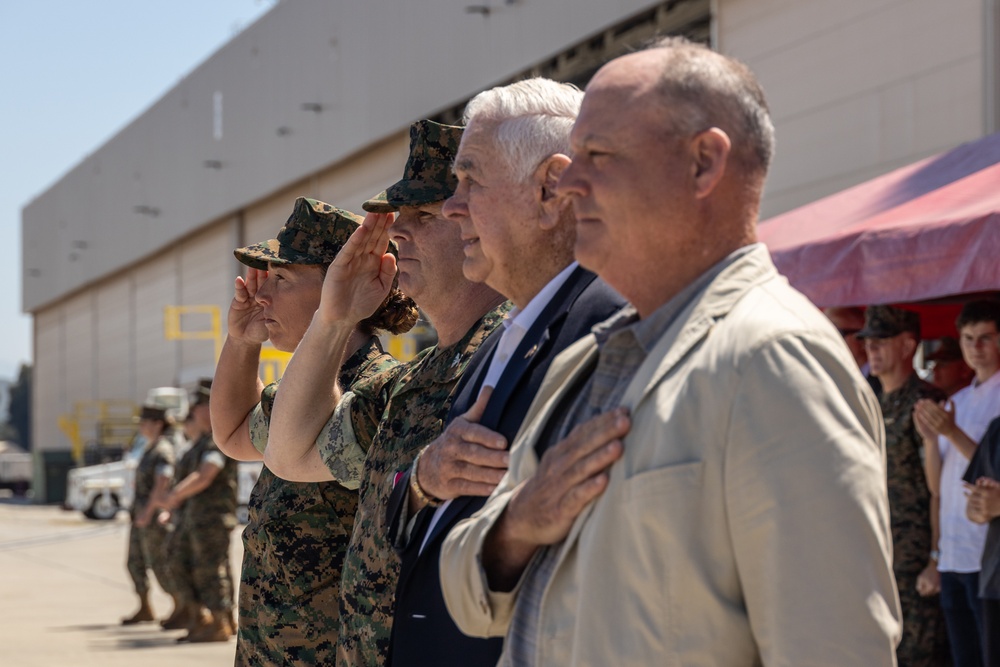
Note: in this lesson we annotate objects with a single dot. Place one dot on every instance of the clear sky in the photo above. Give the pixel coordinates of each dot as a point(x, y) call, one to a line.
point(72, 74)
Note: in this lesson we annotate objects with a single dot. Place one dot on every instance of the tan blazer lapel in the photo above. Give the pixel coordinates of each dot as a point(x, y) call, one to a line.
point(564, 372)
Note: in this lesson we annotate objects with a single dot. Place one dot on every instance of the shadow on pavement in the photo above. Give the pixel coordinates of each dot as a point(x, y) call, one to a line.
point(153, 641)
point(16, 500)
point(88, 628)
point(118, 638)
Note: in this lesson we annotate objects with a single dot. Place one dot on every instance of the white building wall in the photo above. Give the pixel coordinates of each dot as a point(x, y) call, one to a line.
point(156, 286)
point(114, 345)
point(858, 87)
point(48, 390)
point(107, 343)
point(205, 279)
point(78, 339)
point(345, 185)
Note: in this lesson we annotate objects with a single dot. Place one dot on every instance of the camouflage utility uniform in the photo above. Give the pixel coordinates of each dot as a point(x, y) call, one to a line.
point(208, 518)
point(135, 561)
point(178, 541)
point(376, 432)
point(924, 641)
point(157, 459)
point(293, 548)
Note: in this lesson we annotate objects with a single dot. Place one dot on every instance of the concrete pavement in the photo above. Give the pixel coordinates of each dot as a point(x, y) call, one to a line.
point(64, 590)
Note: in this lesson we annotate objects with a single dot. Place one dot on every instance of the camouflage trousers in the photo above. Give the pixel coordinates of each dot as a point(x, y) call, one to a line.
point(204, 573)
point(151, 555)
point(925, 639)
point(180, 565)
point(136, 562)
point(290, 584)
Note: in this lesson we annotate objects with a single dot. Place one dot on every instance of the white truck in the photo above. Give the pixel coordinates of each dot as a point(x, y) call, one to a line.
point(101, 491)
point(16, 471)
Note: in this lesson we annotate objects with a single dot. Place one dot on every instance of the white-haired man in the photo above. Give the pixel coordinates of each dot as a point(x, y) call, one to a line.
point(363, 437)
point(727, 505)
point(519, 235)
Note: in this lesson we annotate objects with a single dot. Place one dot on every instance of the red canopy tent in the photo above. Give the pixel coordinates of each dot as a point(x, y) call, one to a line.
point(927, 234)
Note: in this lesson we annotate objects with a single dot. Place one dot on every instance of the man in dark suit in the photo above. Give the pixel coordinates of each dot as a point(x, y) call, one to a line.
point(519, 238)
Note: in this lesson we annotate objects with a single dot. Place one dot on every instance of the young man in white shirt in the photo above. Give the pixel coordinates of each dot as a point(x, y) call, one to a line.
point(950, 434)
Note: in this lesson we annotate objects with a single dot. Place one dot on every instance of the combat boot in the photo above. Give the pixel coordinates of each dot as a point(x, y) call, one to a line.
point(215, 630)
point(183, 616)
point(144, 614)
point(200, 617)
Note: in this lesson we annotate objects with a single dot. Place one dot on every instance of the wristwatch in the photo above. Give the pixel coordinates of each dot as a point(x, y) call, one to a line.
point(935, 555)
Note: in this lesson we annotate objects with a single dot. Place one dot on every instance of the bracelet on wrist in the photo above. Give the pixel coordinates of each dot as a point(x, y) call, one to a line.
point(935, 555)
point(418, 491)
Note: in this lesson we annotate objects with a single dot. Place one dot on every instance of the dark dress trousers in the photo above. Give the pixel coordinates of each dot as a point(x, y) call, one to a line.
point(423, 632)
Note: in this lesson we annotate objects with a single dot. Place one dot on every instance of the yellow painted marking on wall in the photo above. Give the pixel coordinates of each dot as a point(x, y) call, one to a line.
point(91, 417)
point(172, 329)
point(272, 364)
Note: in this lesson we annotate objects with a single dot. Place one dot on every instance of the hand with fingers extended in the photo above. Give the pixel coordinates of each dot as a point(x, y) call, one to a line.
point(924, 428)
point(246, 319)
point(466, 460)
point(933, 418)
point(362, 274)
point(541, 511)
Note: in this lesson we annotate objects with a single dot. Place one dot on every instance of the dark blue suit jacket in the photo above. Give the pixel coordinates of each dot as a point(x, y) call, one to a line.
point(423, 632)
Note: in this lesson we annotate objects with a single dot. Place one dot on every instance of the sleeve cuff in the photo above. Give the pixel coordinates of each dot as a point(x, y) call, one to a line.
point(339, 448)
point(214, 458)
point(258, 428)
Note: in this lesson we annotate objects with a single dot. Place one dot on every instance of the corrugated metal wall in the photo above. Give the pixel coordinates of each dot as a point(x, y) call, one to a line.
point(115, 342)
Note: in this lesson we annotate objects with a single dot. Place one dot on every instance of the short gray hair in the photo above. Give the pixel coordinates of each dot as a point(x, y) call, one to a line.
point(533, 117)
point(702, 89)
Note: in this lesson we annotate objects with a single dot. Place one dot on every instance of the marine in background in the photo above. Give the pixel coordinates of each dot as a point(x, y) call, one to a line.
point(205, 500)
point(146, 536)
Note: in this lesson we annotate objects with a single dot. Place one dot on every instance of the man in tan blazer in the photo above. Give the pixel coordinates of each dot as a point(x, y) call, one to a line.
point(701, 482)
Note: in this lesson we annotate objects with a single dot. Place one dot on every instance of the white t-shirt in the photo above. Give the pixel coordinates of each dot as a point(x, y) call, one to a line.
point(962, 541)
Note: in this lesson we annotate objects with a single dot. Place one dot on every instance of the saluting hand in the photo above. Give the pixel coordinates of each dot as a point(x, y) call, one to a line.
point(362, 274)
point(246, 320)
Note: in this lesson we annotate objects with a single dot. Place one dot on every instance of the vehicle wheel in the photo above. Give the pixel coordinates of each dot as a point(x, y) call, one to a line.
point(243, 514)
point(104, 508)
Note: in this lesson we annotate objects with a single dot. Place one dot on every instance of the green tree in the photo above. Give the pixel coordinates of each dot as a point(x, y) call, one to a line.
point(20, 408)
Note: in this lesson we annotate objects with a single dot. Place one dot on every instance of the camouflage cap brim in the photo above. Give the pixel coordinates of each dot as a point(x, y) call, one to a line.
point(314, 234)
point(379, 204)
point(259, 255)
point(410, 193)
